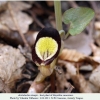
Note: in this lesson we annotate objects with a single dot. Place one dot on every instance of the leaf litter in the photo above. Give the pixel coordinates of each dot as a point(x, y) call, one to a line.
point(23, 19)
point(78, 63)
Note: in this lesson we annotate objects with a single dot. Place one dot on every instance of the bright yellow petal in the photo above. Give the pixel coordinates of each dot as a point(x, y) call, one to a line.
point(46, 47)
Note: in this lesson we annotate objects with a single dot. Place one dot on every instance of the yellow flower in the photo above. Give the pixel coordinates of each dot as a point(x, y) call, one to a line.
point(47, 46)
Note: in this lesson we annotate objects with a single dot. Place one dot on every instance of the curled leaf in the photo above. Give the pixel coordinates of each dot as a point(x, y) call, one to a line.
point(71, 55)
point(74, 56)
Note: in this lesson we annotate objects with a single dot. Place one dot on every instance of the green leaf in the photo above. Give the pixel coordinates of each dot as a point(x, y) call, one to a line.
point(78, 18)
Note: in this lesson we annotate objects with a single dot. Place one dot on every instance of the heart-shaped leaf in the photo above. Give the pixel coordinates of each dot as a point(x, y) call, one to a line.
point(78, 18)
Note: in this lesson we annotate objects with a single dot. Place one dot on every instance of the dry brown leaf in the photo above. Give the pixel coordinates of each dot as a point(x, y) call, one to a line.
point(93, 88)
point(74, 56)
point(81, 84)
point(11, 62)
point(90, 60)
point(97, 37)
point(19, 5)
point(80, 42)
point(95, 77)
point(71, 70)
point(95, 49)
point(97, 25)
point(23, 20)
point(4, 28)
point(79, 81)
point(4, 88)
point(71, 55)
point(62, 84)
point(96, 52)
point(9, 36)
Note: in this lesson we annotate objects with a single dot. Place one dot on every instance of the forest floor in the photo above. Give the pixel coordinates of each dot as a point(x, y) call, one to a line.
point(78, 66)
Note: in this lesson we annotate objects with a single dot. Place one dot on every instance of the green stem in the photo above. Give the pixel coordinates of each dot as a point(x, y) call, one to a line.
point(58, 15)
point(67, 35)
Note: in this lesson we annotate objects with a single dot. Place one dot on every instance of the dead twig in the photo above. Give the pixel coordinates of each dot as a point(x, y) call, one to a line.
point(96, 9)
point(73, 4)
point(90, 29)
point(45, 10)
point(70, 88)
point(94, 6)
point(44, 91)
point(17, 26)
point(36, 20)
